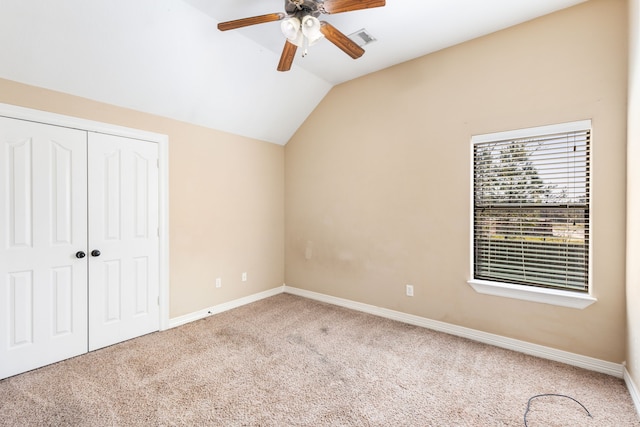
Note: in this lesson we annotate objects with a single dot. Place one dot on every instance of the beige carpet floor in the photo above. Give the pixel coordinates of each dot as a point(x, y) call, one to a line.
point(290, 361)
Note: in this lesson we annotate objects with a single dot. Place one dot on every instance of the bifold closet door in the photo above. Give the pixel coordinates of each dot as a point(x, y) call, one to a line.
point(123, 229)
point(43, 239)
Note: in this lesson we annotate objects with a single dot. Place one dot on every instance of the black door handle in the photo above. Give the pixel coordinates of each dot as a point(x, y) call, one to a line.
point(95, 252)
point(80, 254)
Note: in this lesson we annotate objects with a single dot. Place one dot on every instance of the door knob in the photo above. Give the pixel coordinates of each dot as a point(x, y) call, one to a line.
point(95, 252)
point(80, 254)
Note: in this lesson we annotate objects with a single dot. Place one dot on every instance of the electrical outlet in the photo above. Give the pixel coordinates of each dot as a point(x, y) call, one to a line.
point(244, 277)
point(218, 282)
point(409, 290)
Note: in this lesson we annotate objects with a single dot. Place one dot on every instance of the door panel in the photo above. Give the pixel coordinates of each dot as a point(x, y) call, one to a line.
point(43, 223)
point(142, 286)
point(20, 309)
point(123, 211)
point(61, 193)
point(18, 177)
point(111, 199)
point(111, 285)
point(62, 283)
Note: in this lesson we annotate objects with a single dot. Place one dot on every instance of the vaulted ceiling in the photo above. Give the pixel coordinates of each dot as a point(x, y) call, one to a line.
point(166, 57)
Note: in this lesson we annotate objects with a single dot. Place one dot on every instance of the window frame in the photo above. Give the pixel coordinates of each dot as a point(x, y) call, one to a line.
point(559, 297)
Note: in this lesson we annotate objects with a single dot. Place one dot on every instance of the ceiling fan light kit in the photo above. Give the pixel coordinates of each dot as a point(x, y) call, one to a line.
point(291, 29)
point(311, 29)
point(305, 33)
point(302, 28)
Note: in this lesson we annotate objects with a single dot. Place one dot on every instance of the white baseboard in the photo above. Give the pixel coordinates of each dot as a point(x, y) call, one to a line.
point(633, 390)
point(201, 314)
point(592, 364)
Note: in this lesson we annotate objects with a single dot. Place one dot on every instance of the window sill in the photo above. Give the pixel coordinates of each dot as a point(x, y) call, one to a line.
point(546, 296)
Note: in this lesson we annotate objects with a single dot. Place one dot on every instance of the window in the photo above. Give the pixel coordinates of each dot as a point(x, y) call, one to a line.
point(531, 192)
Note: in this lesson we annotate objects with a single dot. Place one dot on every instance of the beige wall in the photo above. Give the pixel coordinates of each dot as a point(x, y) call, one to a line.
point(226, 200)
point(633, 198)
point(378, 178)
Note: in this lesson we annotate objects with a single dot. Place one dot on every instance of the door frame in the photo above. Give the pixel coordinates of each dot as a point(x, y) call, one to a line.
point(46, 117)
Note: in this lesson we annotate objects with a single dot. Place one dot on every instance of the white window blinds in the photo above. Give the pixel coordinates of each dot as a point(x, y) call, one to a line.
point(531, 209)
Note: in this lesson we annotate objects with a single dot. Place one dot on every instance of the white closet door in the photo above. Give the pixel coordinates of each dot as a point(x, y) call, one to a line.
point(123, 227)
point(43, 224)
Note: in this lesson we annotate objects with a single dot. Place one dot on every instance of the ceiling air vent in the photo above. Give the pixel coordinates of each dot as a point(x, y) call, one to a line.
point(362, 37)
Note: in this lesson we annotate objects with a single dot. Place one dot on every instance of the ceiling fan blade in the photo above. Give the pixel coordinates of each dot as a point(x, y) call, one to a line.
point(245, 22)
point(347, 45)
point(339, 6)
point(288, 53)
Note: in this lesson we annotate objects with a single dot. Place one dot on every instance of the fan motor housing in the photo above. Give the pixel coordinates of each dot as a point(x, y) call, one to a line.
point(300, 8)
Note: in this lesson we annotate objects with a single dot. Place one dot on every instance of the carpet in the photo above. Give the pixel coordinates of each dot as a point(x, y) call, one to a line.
point(291, 361)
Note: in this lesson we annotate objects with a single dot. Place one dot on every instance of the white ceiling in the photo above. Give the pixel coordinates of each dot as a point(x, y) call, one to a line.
point(166, 57)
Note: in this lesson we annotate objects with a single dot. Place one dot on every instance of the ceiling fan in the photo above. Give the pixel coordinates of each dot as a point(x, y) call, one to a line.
point(301, 26)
